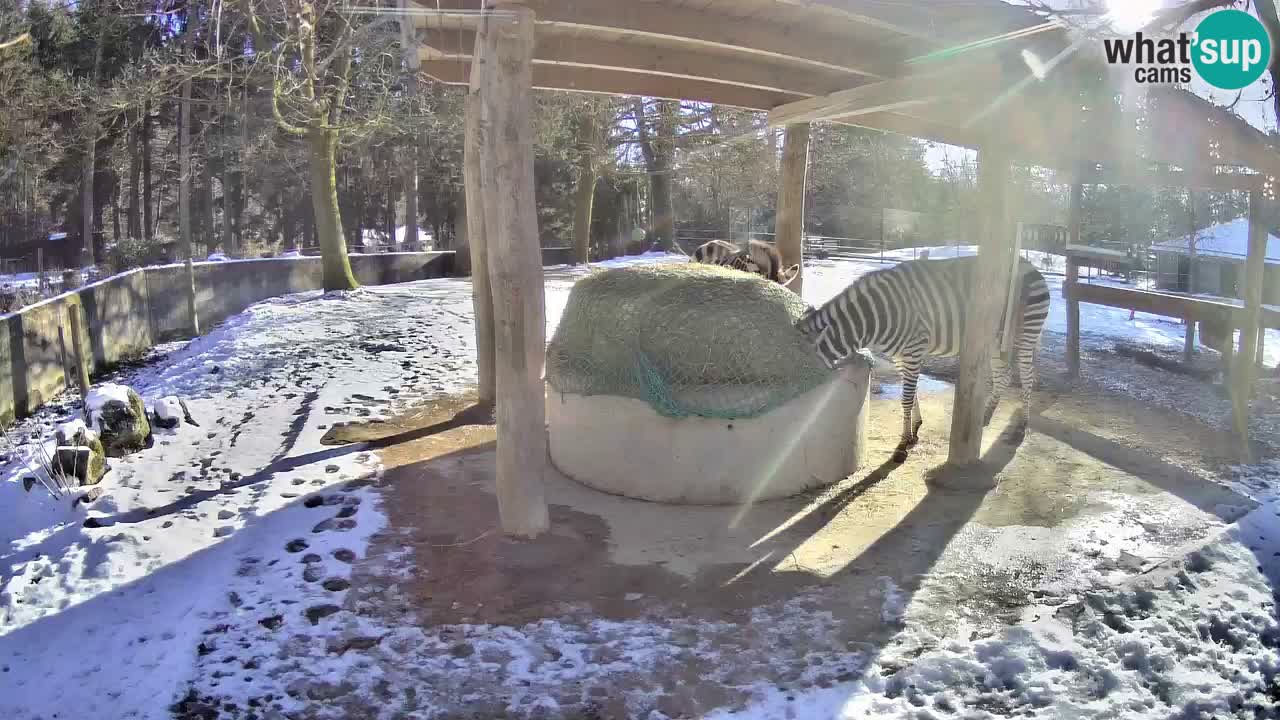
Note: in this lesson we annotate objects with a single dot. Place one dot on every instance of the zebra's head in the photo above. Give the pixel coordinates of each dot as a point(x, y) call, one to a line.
point(835, 329)
point(816, 328)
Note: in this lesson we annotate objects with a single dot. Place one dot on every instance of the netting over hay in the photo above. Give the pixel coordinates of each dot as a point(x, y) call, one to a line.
point(689, 339)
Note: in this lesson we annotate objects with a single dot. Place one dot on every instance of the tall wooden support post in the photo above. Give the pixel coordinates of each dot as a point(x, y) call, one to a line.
point(477, 239)
point(515, 265)
point(1074, 216)
point(788, 225)
point(1244, 369)
point(983, 307)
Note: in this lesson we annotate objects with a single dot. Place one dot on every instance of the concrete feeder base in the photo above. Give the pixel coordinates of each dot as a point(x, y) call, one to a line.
point(623, 446)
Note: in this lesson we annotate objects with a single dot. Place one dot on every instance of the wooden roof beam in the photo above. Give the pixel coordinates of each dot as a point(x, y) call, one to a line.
point(887, 95)
point(747, 71)
point(697, 28)
point(619, 82)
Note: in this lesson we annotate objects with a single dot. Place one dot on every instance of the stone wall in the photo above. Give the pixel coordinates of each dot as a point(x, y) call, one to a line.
point(123, 316)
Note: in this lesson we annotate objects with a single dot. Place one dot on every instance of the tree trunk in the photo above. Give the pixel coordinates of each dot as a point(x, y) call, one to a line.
point(328, 218)
point(115, 214)
point(308, 236)
point(184, 203)
point(135, 183)
point(410, 183)
point(208, 233)
point(228, 237)
point(185, 231)
point(585, 191)
point(148, 226)
point(87, 197)
point(511, 219)
point(656, 147)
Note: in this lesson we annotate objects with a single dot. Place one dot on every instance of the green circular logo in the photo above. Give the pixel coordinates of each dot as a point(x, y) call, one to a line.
point(1232, 49)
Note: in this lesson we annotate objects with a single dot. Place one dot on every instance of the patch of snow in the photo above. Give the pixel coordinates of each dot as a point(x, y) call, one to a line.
point(72, 428)
point(168, 408)
point(99, 396)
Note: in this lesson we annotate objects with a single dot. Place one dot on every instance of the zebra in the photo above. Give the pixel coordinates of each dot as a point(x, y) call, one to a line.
point(759, 259)
point(916, 309)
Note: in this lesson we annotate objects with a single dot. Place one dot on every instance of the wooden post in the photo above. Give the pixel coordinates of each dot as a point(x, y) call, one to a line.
point(511, 225)
point(475, 128)
point(77, 347)
point(1189, 340)
point(1075, 213)
point(1244, 369)
point(1011, 304)
point(788, 226)
point(40, 270)
point(983, 310)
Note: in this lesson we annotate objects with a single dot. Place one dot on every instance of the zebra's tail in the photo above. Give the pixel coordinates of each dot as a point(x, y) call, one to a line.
point(1032, 305)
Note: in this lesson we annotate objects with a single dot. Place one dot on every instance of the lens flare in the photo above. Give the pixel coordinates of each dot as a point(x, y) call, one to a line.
point(1128, 16)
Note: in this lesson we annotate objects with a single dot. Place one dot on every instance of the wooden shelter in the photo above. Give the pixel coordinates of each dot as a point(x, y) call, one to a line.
point(983, 74)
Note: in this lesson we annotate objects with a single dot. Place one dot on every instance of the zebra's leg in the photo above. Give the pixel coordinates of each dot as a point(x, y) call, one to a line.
point(909, 367)
point(1027, 377)
point(999, 384)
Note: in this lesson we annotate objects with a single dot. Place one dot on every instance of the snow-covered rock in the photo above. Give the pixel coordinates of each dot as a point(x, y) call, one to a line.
point(168, 412)
point(117, 414)
point(78, 453)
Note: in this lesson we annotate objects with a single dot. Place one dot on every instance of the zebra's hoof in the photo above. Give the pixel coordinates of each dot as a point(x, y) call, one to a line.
point(900, 455)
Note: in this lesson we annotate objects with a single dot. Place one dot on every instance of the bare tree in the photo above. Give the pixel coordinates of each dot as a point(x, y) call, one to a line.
point(309, 53)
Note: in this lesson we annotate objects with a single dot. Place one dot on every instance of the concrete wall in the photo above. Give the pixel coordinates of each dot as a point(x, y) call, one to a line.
point(557, 256)
point(123, 316)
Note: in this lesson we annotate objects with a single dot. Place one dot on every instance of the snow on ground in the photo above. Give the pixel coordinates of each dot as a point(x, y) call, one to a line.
point(218, 559)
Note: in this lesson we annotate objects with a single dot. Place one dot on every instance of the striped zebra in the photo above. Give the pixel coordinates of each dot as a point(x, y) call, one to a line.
point(758, 258)
point(916, 309)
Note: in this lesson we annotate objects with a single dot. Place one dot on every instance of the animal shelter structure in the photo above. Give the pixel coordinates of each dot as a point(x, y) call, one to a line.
point(982, 74)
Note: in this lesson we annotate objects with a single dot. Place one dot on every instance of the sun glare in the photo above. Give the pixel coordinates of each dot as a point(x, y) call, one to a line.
point(1130, 15)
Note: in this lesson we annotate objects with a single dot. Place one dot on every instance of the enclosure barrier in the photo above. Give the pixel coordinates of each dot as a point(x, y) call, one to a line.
point(123, 316)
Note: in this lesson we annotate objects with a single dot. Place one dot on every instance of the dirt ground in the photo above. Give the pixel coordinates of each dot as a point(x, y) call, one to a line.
point(1101, 488)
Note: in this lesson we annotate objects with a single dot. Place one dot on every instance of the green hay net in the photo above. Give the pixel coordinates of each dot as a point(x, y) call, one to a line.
point(689, 339)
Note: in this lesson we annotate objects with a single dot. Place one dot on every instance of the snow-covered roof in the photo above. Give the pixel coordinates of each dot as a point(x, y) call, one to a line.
point(1228, 240)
